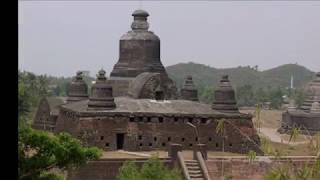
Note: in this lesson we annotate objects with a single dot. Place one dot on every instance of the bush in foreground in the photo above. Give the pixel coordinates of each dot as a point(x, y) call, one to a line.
point(40, 153)
point(153, 169)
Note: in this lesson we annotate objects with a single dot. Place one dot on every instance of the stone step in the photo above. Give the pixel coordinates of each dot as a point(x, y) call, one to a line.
point(192, 165)
point(193, 168)
point(195, 172)
point(196, 176)
point(191, 162)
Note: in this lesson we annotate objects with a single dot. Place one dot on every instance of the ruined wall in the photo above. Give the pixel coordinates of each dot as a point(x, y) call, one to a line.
point(241, 169)
point(104, 169)
point(67, 121)
point(307, 121)
point(43, 120)
point(120, 86)
point(237, 168)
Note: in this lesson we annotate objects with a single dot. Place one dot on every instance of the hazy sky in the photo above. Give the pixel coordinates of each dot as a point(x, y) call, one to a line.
point(59, 38)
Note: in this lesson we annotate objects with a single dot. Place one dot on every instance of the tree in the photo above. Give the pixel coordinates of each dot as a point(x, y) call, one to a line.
point(275, 97)
point(258, 115)
point(153, 169)
point(41, 152)
point(31, 89)
point(245, 95)
point(24, 105)
point(299, 97)
point(205, 93)
point(294, 133)
point(260, 96)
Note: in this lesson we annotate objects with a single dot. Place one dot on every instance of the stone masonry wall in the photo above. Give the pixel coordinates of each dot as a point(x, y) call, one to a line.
point(104, 169)
point(241, 169)
point(148, 132)
point(238, 168)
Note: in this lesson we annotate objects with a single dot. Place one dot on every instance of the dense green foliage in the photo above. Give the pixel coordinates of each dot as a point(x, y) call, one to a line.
point(31, 89)
point(58, 85)
point(153, 169)
point(251, 86)
point(310, 171)
point(40, 153)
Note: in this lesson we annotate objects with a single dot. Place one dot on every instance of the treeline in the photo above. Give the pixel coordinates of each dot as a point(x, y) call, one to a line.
point(246, 95)
point(31, 88)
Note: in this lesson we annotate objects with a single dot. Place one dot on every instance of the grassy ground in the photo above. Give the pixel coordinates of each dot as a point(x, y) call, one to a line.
point(293, 150)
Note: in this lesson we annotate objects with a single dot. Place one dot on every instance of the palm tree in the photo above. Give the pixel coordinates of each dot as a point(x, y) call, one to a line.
point(294, 133)
point(251, 156)
point(258, 112)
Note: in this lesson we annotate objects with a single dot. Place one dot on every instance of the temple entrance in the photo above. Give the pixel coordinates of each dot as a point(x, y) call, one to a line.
point(159, 95)
point(120, 140)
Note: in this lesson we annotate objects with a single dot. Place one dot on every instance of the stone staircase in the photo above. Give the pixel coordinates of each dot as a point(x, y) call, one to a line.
point(194, 170)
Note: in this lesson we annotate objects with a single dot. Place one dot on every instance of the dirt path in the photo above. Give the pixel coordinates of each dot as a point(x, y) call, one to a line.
point(274, 136)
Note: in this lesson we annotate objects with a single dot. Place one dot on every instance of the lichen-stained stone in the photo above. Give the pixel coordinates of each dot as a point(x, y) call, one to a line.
point(101, 97)
point(224, 97)
point(139, 49)
point(78, 89)
point(189, 91)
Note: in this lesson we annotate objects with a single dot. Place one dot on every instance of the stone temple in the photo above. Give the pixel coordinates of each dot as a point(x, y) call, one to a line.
point(307, 117)
point(138, 107)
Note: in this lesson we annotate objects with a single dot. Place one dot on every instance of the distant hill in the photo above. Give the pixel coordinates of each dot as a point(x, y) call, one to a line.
point(239, 76)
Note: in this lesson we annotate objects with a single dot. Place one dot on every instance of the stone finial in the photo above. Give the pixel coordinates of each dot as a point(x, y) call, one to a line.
point(101, 97)
point(79, 75)
point(78, 89)
point(140, 20)
point(101, 76)
point(189, 91)
point(224, 97)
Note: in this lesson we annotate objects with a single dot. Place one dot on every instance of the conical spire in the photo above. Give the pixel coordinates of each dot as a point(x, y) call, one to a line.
point(78, 89)
point(189, 91)
point(101, 97)
point(224, 97)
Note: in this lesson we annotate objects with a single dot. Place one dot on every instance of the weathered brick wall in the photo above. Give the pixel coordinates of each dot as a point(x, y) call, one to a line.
point(143, 132)
point(241, 169)
point(238, 168)
point(104, 169)
point(120, 87)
